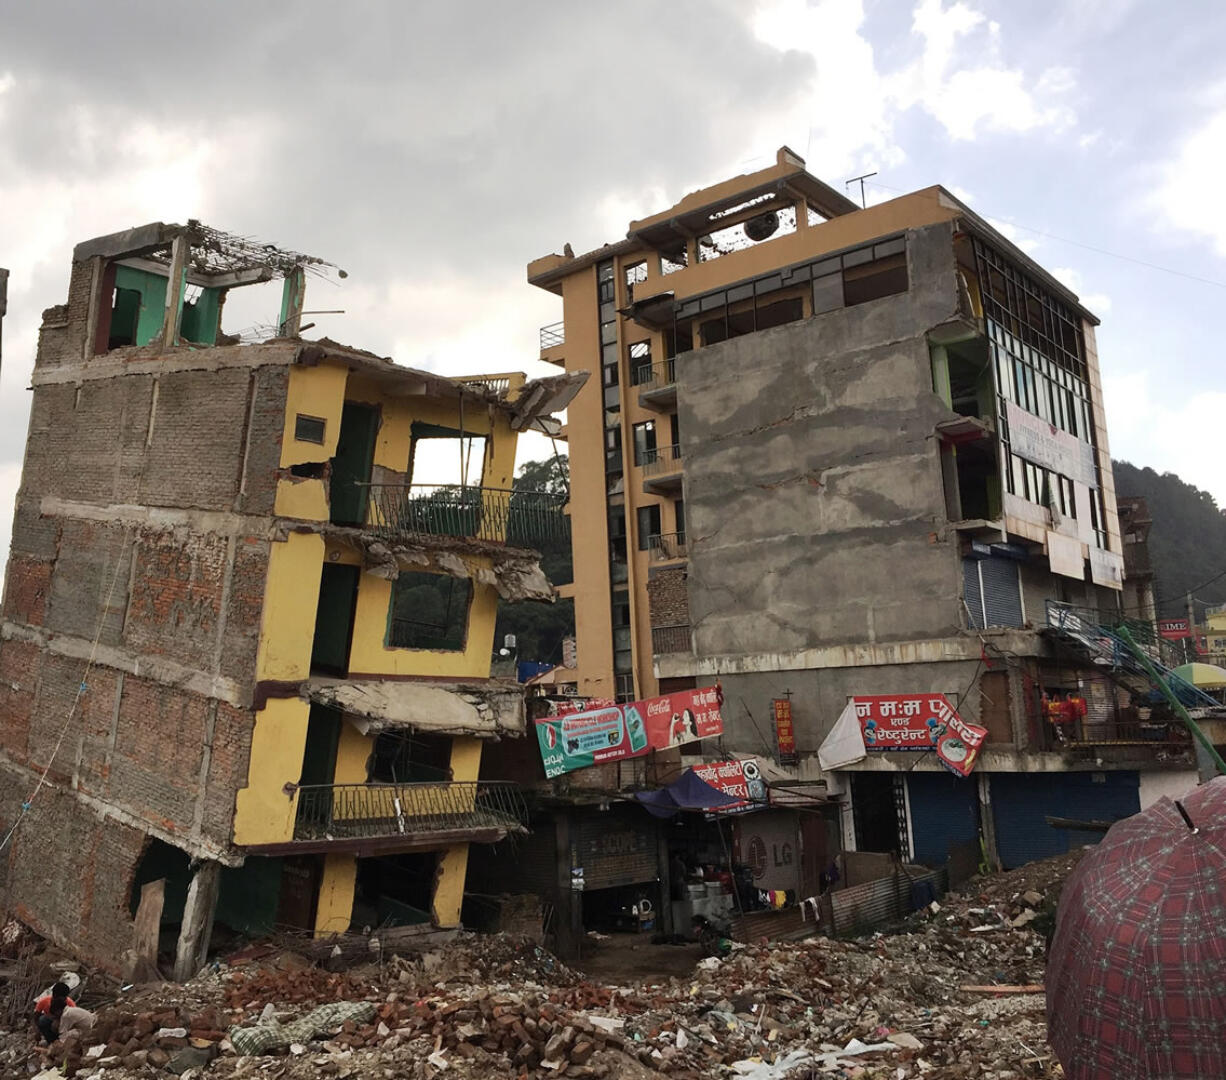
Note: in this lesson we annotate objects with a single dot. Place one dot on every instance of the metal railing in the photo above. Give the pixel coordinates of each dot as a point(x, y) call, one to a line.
point(671, 639)
point(499, 384)
point(553, 334)
point(661, 461)
point(1105, 732)
point(665, 546)
point(355, 811)
point(515, 518)
point(655, 376)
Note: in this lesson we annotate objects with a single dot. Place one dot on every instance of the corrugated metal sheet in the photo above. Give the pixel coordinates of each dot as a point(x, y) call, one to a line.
point(1021, 803)
point(863, 908)
point(944, 813)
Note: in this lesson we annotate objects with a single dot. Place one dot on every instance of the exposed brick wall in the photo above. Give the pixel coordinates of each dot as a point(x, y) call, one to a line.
point(668, 598)
point(29, 585)
point(245, 607)
point(178, 591)
point(20, 668)
point(67, 873)
point(89, 581)
point(63, 331)
point(259, 488)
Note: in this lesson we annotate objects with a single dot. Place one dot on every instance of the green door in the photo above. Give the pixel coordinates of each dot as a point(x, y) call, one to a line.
point(338, 594)
point(355, 454)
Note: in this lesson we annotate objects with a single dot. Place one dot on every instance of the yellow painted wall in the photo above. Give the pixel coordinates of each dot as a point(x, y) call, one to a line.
point(370, 653)
point(264, 814)
point(334, 909)
point(313, 391)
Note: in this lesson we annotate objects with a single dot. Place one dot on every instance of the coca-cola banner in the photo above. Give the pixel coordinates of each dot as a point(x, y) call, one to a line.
point(920, 722)
point(613, 732)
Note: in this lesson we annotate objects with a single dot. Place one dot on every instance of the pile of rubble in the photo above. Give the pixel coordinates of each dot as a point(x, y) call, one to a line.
point(954, 993)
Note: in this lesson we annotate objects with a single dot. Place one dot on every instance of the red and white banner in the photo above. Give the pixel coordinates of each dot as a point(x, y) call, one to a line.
point(740, 779)
point(920, 722)
point(1174, 629)
point(612, 732)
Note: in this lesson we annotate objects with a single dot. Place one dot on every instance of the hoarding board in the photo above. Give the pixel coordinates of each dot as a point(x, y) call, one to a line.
point(920, 722)
point(615, 732)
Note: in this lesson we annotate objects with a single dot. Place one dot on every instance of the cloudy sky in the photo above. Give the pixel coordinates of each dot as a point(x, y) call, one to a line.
point(432, 150)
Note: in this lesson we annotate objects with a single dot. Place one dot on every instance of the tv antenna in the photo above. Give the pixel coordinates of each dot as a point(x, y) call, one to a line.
point(846, 183)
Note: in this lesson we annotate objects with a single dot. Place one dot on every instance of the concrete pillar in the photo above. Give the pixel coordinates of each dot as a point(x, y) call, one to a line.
point(568, 914)
point(449, 886)
point(987, 820)
point(173, 319)
point(334, 905)
point(664, 871)
point(197, 925)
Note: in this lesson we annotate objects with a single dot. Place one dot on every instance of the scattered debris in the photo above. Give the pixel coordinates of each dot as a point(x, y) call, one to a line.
point(932, 999)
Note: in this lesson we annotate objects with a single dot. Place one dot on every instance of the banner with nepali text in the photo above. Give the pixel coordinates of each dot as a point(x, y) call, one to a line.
point(920, 722)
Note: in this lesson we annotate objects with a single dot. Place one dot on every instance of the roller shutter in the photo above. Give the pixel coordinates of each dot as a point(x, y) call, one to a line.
point(992, 592)
point(944, 814)
point(1021, 803)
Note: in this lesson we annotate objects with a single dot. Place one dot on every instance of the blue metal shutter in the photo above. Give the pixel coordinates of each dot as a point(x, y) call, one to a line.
point(944, 813)
point(1022, 801)
point(1002, 595)
point(971, 591)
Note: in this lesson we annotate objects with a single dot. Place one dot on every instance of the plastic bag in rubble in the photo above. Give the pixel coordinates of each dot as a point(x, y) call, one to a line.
point(271, 1035)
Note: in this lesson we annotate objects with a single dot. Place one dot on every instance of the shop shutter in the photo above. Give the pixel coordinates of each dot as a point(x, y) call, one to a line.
point(944, 814)
point(1002, 596)
point(971, 591)
point(615, 849)
point(1021, 803)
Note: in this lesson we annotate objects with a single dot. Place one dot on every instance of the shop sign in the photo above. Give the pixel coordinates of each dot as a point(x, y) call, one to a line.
point(1174, 629)
point(1034, 439)
point(920, 722)
point(739, 779)
point(785, 733)
point(578, 740)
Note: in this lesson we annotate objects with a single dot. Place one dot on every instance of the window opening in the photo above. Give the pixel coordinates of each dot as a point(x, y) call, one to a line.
point(645, 442)
point(635, 274)
point(770, 224)
point(429, 611)
point(310, 429)
point(640, 363)
point(402, 758)
point(649, 524)
point(672, 261)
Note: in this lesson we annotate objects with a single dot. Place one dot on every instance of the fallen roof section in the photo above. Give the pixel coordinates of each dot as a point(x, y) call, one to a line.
point(485, 708)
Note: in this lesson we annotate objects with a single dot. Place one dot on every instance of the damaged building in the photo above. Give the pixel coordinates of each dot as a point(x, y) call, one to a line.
point(853, 463)
point(246, 646)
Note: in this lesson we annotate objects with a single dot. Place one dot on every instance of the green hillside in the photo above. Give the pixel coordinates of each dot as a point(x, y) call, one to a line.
point(1187, 543)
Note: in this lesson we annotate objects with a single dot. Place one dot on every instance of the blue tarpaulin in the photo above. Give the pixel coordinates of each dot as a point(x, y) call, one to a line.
point(688, 792)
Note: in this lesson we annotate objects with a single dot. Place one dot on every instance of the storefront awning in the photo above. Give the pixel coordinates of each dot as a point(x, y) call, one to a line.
point(687, 792)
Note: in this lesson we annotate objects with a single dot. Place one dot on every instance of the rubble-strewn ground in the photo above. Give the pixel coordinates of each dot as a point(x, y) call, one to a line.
point(498, 1006)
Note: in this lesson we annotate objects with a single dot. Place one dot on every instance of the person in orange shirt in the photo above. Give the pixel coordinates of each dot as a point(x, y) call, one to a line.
point(56, 1014)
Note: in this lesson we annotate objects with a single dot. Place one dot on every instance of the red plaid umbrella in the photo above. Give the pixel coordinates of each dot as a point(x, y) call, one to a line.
point(1136, 975)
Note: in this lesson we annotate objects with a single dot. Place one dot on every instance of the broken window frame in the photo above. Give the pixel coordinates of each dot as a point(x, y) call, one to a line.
point(406, 632)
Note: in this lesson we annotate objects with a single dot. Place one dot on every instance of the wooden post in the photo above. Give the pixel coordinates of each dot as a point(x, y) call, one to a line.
point(197, 925)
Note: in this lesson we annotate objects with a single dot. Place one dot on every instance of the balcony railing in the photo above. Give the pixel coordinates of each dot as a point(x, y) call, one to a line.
point(515, 518)
point(671, 639)
point(661, 461)
point(500, 384)
point(553, 334)
point(655, 376)
point(371, 811)
point(1167, 734)
point(666, 546)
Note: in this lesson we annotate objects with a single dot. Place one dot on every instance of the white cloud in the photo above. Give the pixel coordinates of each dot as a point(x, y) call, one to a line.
point(1099, 303)
point(1188, 197)
point(1169, 436)
point(846, 117)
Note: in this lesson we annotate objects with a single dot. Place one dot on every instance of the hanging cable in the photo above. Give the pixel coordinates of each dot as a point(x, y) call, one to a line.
point(82, 686)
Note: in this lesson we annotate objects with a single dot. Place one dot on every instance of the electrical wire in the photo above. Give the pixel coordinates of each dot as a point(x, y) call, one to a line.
point(1078, 243)
point(82, 686)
